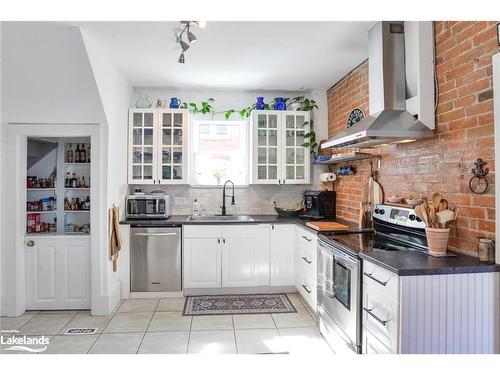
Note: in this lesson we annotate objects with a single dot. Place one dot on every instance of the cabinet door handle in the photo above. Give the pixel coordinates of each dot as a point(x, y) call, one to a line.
point(383, 283)
point(306, 260)
point(224, 241)
point(305, 287)
point(307, 238)
point(279, 182)
point(369, 312)
point(218, 240)
point(30, 243)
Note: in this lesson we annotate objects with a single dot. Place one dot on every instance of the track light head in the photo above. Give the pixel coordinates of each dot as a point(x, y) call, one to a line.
point(181, 58)
point(184, 45)
point(191, 37)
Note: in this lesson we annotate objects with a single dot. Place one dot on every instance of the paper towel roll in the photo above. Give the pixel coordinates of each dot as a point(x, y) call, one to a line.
point(327, 177)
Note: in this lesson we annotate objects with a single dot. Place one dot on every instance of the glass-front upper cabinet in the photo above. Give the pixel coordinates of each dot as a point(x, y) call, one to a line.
point(267, 150)
point(278, 157)
point(157, 146)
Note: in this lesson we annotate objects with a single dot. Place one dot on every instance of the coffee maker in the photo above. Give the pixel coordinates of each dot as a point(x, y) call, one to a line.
point(320, 204)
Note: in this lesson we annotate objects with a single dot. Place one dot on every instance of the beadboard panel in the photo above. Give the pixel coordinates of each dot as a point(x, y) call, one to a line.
point(450, 313)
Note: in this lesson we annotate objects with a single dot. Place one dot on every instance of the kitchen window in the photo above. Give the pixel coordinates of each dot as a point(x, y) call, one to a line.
point(220, 152)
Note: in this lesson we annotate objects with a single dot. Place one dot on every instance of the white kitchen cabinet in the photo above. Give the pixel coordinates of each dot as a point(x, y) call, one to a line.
point(245, 255)
point(202, 262)
point(306, 243)
point(429, 314)
point(57, 272)
point(225, 256)
point(202, 256)
point(282, 254)
point(277, 154)
point(157, 146)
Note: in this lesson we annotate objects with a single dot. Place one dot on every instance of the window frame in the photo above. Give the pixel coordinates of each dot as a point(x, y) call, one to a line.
point(194, 136)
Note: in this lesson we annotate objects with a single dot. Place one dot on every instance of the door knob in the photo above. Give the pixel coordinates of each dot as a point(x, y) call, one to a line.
point(30, 243)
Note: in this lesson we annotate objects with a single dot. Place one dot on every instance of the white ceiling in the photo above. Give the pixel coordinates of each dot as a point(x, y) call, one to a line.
point(236, 55)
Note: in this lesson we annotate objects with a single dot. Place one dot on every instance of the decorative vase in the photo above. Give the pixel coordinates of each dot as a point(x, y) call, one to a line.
point(175, 103)
point(144, 101)
point(260, 103)
point(437, 240)
point(280, 105)
point(294, 106)
point(486, 250)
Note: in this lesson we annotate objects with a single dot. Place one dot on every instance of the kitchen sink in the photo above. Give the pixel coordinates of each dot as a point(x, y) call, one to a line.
point(225, 218)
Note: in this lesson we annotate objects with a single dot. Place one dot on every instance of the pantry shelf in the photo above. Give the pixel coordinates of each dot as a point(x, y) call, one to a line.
point(41, 212)
point(78, 188)
point(41, 189)
point(75, 211)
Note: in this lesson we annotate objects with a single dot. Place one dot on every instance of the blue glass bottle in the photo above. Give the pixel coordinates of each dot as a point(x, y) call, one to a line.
point(280, 105)
point(260, 103)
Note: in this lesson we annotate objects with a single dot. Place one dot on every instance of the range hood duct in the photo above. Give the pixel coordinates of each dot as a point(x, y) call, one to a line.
point(388, 121)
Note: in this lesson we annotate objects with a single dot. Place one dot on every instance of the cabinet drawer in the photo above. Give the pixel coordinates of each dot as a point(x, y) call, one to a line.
point(381, 280)
point(308, 259)
point(202, 231)
point(307, 288)
point(371, 345)
point(381, 317)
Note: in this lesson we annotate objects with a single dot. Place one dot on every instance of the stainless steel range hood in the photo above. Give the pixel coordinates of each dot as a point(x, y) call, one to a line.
point(389, 121)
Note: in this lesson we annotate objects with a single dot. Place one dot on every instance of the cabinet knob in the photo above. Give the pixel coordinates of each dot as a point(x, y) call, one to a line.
point(30, 243)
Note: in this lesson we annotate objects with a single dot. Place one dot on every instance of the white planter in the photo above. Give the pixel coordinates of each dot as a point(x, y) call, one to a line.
point(293, 106)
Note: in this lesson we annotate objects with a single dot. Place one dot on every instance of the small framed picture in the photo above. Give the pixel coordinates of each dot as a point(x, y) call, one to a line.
point(498, 33)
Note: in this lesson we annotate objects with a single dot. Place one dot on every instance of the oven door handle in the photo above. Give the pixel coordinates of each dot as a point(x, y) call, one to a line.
point(384, 283)
point(369, 312)
point(307, 290)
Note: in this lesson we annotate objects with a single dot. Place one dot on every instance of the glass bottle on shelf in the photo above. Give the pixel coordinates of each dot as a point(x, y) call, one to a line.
point(67, 180)
point(83, 154)
point(88, 153)
point(82, 182)
point(69, 154)
point(77, 153)
point(74, 181)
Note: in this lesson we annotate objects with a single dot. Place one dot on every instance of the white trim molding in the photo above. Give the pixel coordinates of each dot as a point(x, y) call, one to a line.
point(496, 116)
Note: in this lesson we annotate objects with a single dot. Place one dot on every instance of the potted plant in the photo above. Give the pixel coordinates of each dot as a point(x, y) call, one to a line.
point(301, 103)
point(218, 174)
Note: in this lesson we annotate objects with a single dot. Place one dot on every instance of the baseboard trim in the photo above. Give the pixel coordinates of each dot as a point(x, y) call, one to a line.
point(156, 294)
point(240, 290)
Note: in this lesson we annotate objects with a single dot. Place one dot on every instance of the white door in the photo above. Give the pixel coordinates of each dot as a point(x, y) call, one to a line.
point(142, 140)
point(266, 127)
point(295, 157)
point(282, 254)
point(172, 146)
point(245, 256)
point(57, 272)
point(202, 263)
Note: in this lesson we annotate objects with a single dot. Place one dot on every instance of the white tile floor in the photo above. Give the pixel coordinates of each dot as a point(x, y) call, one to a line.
point(157, 326)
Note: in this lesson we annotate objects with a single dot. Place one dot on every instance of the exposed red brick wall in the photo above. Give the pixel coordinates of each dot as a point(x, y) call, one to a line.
point(464, 132)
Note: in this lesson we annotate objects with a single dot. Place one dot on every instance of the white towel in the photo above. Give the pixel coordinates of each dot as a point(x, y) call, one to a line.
point(325, 272)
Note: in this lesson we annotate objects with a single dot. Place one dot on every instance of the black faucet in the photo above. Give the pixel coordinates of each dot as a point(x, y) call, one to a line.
point(223, 207)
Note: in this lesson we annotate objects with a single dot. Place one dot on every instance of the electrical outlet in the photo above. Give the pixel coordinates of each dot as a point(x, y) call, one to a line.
point(180, 201)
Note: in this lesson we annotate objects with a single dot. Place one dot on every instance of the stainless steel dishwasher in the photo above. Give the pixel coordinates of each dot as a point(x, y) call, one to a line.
point(155, 259)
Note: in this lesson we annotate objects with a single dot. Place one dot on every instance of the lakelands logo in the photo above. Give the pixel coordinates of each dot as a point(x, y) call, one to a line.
point(24, 343)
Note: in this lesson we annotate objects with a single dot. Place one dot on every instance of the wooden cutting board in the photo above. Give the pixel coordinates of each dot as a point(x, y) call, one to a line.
point(326, 226)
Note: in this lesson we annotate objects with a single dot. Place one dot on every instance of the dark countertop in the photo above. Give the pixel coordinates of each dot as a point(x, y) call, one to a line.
point(408, 263)
point(257, 219)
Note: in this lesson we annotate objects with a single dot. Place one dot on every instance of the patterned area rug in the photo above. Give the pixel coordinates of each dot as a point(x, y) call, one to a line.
point(238, 304)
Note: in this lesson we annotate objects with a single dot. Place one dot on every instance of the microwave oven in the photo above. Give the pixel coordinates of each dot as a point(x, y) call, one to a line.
point(147, 206)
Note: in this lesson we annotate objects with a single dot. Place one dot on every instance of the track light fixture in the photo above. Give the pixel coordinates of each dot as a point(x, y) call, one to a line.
point(191, 38)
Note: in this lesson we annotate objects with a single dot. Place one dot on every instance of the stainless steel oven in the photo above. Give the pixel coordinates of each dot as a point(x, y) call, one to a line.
point(339, 296)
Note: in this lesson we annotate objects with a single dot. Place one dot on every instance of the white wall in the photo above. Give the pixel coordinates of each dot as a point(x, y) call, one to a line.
point(46, 75)
point(49, 79)
point(115, 93)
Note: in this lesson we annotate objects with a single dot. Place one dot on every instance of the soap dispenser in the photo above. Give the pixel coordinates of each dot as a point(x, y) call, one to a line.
point(196, 208)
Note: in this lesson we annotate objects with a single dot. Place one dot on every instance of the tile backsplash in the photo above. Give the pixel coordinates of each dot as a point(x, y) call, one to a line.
point(254, 199)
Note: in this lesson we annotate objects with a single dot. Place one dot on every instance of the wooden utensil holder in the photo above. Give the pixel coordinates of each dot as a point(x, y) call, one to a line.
point(437, 240)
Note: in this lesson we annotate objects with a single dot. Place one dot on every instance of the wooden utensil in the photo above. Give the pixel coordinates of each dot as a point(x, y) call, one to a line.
point(432, 216)
point(423, 213)
point(418, 212)
point(361, 218)
point(436, 200)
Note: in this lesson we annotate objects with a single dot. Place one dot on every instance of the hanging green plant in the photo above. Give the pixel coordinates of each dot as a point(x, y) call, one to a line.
point(204, 108)
point(310, 141)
